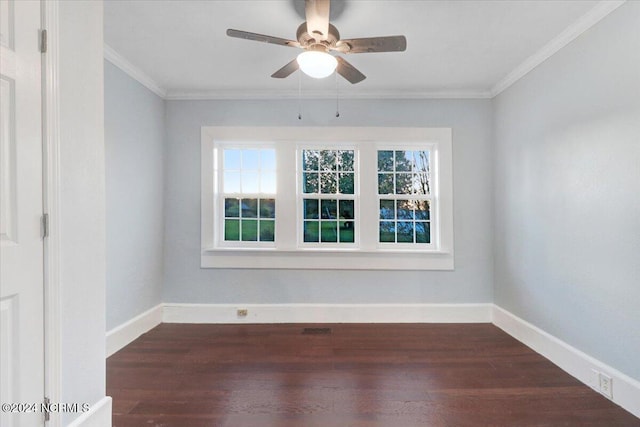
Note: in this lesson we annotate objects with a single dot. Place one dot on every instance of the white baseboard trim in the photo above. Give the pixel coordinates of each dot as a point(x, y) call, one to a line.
point(328, 313)
point(98, 416)
point(626, 390)
point(122, 335)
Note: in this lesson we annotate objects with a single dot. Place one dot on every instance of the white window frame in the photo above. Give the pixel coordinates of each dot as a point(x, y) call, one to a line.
point(220, 195)
point(432, 197)
point(367, 253)
point(300, 196)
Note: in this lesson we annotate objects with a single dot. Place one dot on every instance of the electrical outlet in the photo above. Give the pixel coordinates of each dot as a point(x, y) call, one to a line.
point(242, 312)
point(606, 385)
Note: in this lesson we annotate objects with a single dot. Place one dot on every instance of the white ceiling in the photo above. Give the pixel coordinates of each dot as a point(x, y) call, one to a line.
point(465, 48)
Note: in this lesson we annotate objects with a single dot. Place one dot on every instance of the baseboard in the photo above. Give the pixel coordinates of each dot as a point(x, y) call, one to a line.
point(122, 335)
point(327, 313)
point(626, 390)
point(98, 416)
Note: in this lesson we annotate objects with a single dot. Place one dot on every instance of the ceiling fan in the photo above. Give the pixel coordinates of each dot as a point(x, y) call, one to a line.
point(318, 37)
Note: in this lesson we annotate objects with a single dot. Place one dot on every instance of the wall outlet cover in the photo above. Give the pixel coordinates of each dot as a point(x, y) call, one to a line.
point(606, 385)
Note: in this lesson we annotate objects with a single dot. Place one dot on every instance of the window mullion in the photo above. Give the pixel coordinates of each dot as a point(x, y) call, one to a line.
point(286, 200)
point(368, 183)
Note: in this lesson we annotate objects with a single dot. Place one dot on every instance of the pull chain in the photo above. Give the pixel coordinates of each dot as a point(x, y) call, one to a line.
point(337, 97)
point(299, 95)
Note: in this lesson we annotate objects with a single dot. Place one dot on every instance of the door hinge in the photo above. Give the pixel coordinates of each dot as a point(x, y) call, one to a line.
point(43, 41)
point(45, 225)
point(47, 413)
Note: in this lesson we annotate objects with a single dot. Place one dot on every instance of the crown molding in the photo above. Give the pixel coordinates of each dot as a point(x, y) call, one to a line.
point(293, 94)
point(573, 31)
point(134, 72)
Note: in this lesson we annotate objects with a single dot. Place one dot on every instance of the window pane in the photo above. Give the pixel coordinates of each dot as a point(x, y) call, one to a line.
point(346, 228)
point(422, 209)
point(231, 208)
point(387, 231)
point(403, 161)
point(232, 229)
point(232, 182)
point(423, 232)
point(249, 230)
point(421, 161)
point(347, 234)
point(310, 182)
point(421, 183)
point(385, 161)
point(267, 208)
point(231, 159)
point(328, 161)
point(310, 160)
point(404, 209)
point(346, 160)
point(328, 183)
point(311, 232)
point(249, 208)
point(267, 231)
point(250, 182)
point(387, 209)
point(385, 183)
point(347, 209)
point(329, 231)
point(268, 161)
point(310, 207)
point(251, 159)
point(268, 183)
point(328, 209)
point(405, 232)
point(346, 183)
point(403, 183)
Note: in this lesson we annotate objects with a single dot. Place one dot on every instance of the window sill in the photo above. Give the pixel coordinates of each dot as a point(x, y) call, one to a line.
point(327, 259)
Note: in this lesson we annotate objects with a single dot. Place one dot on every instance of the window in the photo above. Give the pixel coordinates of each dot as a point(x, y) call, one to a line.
point(404, 195)
point(247, 201)
point(350, 198)
point(328, 196)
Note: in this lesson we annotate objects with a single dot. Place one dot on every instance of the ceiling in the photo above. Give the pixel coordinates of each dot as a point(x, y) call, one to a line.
point(454, 48)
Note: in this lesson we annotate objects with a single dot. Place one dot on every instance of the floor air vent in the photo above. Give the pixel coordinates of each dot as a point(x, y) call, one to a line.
point(316, 331)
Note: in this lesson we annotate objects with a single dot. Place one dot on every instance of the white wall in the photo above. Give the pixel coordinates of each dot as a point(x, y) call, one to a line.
point(567, 193)
point(134, 135)
point(82, 203)
point(472, 280)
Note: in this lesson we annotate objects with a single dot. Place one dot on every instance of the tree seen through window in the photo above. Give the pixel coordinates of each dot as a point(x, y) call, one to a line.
point(328, 186)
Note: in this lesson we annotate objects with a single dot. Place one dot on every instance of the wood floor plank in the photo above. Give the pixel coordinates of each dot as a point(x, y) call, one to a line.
point(360, 375)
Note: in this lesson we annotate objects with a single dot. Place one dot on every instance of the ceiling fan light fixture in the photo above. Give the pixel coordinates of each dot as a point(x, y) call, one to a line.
point(317, 64)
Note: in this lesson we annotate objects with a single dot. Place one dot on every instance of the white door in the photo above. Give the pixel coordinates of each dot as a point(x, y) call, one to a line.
point(21, 242)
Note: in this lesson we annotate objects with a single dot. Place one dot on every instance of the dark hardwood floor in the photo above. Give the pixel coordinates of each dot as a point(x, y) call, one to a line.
point(359, 375)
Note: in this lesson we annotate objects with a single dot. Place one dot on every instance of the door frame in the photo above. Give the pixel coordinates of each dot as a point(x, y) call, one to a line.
point(51, 197)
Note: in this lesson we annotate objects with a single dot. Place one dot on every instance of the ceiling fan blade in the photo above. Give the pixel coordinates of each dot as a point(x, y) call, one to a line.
point(373, 44)
point(287, 70)
point(349, 72)
point(317, 14)
point(261, 38)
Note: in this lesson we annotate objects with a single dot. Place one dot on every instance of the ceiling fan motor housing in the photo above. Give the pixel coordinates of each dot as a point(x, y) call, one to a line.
point(307, 40)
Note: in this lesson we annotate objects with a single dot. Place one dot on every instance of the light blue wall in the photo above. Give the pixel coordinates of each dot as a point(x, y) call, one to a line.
point(80, 219)
point(472, 280)
point(134, 139)
point(567, 193)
